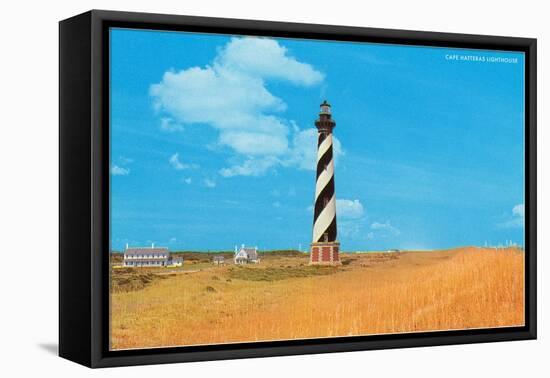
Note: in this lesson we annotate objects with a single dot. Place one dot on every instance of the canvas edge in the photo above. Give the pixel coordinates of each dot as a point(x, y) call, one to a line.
point(75, 271)
point(531, 183)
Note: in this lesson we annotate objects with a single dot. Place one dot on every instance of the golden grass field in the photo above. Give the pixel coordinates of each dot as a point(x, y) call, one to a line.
point(284, 298)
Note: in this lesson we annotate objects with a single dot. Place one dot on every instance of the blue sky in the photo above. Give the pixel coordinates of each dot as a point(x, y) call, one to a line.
point(213, 142)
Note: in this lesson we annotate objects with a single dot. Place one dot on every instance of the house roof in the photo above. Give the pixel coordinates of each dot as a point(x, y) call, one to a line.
point(145, 250)
point(148, 260)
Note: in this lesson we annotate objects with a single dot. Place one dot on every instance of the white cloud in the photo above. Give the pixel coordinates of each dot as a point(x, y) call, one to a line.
point(351, 228)
point(125, 160)
point(250, 167)
point(168, 124)
point(303, 153)
point(350, 215)
point(178, 165)
point(276, 204)
point(385, 228)
point(519, 210)
point(188, 180)
point(352, 222)
point(120, 167)
point(209, 183)
point(349, 209)
point(267, 136)
point(360, 230)
point(119, 171)
point(232, 97)
point(265, 58)
point(518, 218)
point(351, 219)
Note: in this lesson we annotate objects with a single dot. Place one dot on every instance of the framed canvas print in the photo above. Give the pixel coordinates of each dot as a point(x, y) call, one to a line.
point(234, 188)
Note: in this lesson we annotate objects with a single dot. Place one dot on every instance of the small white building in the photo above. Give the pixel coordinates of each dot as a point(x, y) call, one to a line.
point(218, 260)
point(149, 257)
point(246, 255)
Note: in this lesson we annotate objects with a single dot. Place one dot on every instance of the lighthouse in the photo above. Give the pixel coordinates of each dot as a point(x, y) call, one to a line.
point(324, 247)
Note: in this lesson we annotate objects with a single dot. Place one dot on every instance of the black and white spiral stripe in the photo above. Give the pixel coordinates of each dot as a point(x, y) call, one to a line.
point(324, 218)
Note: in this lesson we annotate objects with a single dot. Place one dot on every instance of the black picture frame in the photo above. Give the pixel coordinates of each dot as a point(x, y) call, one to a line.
point(84, 188)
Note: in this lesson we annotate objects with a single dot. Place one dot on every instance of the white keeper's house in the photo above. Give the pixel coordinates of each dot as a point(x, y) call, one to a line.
point(150, 256)
point(246, 255)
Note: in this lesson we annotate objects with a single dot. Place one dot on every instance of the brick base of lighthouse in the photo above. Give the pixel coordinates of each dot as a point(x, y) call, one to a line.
point(325, 253)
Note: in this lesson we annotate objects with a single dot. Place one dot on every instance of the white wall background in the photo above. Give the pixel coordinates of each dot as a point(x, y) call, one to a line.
point(29, 186)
